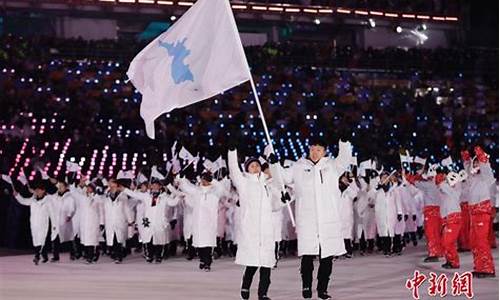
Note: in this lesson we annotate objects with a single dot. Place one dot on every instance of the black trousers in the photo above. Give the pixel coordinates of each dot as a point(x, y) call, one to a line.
point(76, 248)
point(397, 245)
point(91, 253)
point(348, 246)
point(324, 272)
point(56, 248)
point(385, 243)
point(154, 251)
point(264, 280)
point(117, 250)
point(41, 250)
point(205, 255)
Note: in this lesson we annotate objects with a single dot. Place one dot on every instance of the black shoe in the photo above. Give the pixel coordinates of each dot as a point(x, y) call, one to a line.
point(88, 261)
point(36, 260)
point(245, 294)
point(190, 257)
point(54, 259)
point(202, 266)
point(483, 275)
point(158, 260)
point(45, 259)
point(207, 268)
point(307, 293)
point(72, 257)
point(149, 259)
point(324, 295)
point(448, 265)
point(264, 298)
point(431, 259)
point(118, 261)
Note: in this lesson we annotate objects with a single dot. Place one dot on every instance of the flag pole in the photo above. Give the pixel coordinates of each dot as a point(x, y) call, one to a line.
point(270, 143)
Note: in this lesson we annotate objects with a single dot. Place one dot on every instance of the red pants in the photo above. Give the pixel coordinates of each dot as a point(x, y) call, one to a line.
point(452, 225)
point(432, 229)
point(480, 219)
point(493, 238)
point(463, 238)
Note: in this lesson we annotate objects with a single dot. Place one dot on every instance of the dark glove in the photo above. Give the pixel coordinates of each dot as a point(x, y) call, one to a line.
point(272, 159)
point(172, 224)
point(414, 218)
point(400, 217)
point(101, 227)
point(232, 143)
point(406, 218)
point(285, 197)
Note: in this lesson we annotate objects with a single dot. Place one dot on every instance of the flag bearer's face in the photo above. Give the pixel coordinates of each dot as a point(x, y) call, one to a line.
point(254, 168)
point(316, 152)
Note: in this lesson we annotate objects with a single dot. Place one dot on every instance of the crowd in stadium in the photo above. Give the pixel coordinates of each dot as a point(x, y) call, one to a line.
point(419, 106)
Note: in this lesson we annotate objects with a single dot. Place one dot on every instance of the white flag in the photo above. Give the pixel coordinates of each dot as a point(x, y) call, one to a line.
point(200, 56)
point(186, 155)
point(419, 160)
point(72, 167)
point(141, 178)
point(156, 174)
point(447, 162)
point(22, 178)
point(7, 179)
point(125, 175)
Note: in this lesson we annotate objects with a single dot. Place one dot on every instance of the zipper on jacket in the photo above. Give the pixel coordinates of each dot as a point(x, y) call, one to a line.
point(321, 176)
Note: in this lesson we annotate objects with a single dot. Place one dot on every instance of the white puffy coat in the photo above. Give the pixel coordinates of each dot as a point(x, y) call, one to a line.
point(317, 207)
point(387, 209)
point(91, 216)
point(204, 201)
point(63, 209)
point(255, 234)
point(154, 222)
point(39, 217)
point(347, 210)
point(117, 217)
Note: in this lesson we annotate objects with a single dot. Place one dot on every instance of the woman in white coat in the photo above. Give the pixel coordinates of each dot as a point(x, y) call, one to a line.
point(255, 231)
point(117, 218)
point(319, 229)
point(204, 200)
point(39, 205)
point(90, 204)
point(154, 222)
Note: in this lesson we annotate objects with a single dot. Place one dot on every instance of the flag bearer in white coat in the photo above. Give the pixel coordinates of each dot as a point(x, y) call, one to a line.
point(154, 222)
point(39, 204)
point(204, 200)
point(255, 231)
point(318, 200)
point(117, 218)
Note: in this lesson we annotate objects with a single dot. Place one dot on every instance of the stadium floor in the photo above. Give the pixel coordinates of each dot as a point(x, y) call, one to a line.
point(370, 277)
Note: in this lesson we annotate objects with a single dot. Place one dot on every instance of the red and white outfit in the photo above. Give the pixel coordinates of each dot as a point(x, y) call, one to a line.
point(481, 214)
point(450, 210)
point(432, 216)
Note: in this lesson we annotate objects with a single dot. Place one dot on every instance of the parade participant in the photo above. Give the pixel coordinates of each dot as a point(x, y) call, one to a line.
point(318, 200)
point(39, 204)
point(204, 200)
point(452, 217)
point(349, 190)
point(90, 204)
point(63, 208)
point(154, 223)
point(432, 216)
point(117, 218)
point(481, 178)
point(255, 231)
point(386, 211)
